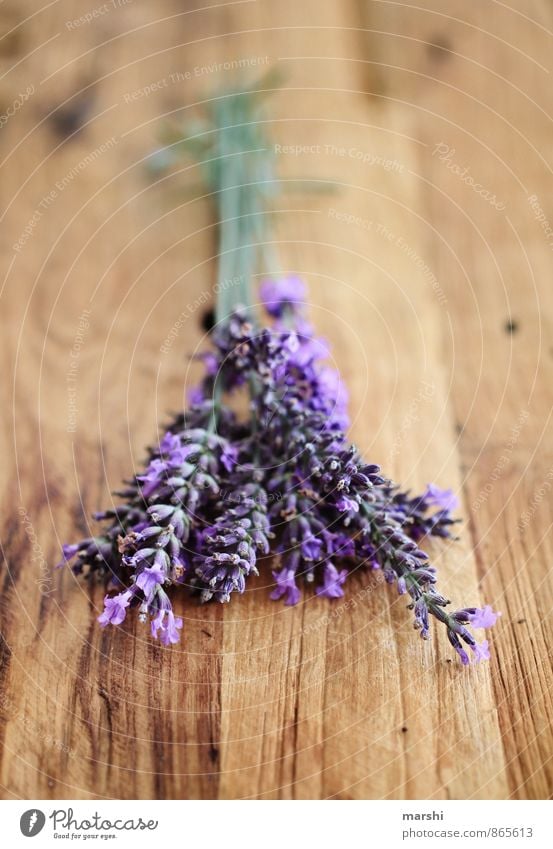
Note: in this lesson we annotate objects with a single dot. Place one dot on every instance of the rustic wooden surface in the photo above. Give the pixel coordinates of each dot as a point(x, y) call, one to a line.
point(439, 307)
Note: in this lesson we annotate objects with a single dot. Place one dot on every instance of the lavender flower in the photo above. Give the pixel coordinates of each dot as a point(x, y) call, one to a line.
point(481, 651)
point(284, 293)
point(115, 609)
point(333, 580)
point(150, 578)
point(286, 586)
point(485, 618)
point(443, 498)
point(165, 626)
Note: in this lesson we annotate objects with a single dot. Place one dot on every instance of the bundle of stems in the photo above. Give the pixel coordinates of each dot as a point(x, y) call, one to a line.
point(218, 493)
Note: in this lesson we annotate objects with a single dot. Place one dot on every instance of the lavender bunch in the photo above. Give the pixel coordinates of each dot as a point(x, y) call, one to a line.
point(338, 512)
point(218, 494)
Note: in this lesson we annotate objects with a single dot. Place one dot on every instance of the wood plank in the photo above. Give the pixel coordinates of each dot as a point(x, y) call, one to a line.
point(413, 279)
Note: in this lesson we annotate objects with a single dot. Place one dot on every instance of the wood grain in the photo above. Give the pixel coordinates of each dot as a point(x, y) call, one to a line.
point(439, 308)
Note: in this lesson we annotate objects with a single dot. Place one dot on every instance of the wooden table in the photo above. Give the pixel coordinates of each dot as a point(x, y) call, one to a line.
point(435, 292)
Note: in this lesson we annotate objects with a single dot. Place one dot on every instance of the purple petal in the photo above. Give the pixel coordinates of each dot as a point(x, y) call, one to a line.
point(115, 609)
point(443, 498)
point(277, 294)
point(484, 618)
point(481, 651)
point(149, 579)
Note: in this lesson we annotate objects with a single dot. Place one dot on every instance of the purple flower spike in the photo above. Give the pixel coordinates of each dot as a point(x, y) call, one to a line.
point(115, 609)
point(276, 295)
point(445, 499)
point(484, 618)
point(333, 580)
point(286, 585)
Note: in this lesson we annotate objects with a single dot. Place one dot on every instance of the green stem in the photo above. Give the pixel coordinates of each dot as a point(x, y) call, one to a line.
point(241, 178)
point(229, 203)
